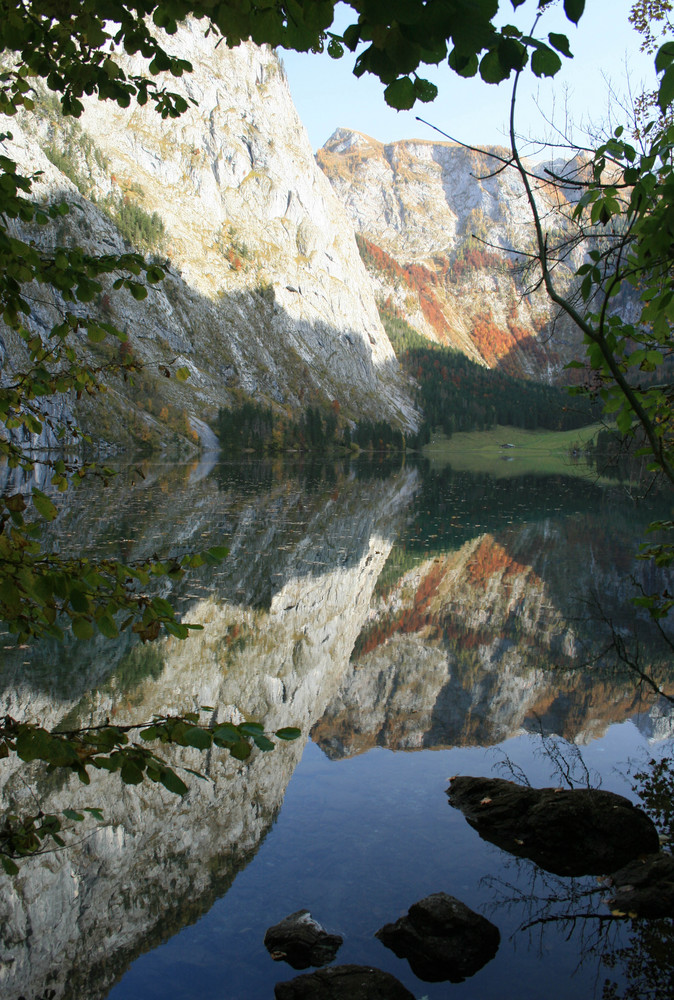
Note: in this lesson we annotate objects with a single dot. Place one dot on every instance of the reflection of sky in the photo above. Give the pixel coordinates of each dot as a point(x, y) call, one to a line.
point(357, 842)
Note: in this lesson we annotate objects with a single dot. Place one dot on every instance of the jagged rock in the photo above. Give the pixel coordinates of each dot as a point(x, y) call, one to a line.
point(421, 201)
point(645, 887)
point(343, 982)
point(300, 941)
point(442, 939)
point(580, 831)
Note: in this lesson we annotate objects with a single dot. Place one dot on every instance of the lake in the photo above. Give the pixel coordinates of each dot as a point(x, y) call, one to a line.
point(415, 623)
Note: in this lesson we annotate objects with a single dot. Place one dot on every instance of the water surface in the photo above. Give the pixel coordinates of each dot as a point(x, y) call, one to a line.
point(415, 624)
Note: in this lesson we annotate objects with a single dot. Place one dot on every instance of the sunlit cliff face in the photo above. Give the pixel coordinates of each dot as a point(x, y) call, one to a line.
point(438, 224)
point(265, 293)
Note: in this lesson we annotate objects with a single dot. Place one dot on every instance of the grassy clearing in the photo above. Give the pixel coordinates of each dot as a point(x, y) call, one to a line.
point(533, 452)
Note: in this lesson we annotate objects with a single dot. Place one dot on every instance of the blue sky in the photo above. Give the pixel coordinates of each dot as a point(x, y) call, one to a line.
point(327, 95)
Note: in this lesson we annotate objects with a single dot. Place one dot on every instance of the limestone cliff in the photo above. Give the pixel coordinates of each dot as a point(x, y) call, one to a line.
point(266, 294)
point(418, 207)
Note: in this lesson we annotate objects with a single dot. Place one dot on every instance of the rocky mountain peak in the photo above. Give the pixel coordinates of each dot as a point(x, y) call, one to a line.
point(442, 229)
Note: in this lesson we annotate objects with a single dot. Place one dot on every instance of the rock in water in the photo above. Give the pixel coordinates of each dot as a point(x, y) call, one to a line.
point(343, 982)
point(442, 939)
point(579, 831)
point(645, 887)
point(301, 942)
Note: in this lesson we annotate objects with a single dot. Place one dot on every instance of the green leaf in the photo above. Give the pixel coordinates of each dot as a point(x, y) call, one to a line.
point(545, 62)
point(33, 744)
point(71, 814)
point(666, 91)
point(574, 9)
point(288, 733)
point(251, 728)
point(95, 333)
point(130, 773)
point(197, 737)
point(43, 505)
point(425, 90)
point(107, 626)
point(263, 743)
point(664, 57)
point(561, 43)
point(241, 750)
point(491, 68)
point(82, 628)
point(401, 94)
point(464, 65)
point(226, 733)
point(10, 867)
point(139, 292)
point(172, 782)
point(218, 551)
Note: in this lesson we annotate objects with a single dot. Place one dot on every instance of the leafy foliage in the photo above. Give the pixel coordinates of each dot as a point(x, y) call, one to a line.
point(655, 787)
point(108, 747)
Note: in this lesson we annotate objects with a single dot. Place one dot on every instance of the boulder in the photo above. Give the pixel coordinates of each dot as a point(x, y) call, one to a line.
point(645, 887)
point(442, 939)
point(301, 942)
point(343, 982)
point(579, 831)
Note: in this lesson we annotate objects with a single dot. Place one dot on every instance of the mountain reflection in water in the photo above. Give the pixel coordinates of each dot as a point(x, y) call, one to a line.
point(375, 607)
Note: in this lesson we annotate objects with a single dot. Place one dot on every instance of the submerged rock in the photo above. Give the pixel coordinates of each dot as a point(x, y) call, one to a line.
point(442, 939)
point(300, 941)
point(645, 887)
point(343, 982)
point(580, 831)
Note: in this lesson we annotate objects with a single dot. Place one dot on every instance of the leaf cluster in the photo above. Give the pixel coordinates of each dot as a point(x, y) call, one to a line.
point(110, 748)
point(634, 211)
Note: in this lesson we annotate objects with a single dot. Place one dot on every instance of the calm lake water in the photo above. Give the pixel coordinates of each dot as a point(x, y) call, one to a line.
point(415, 624)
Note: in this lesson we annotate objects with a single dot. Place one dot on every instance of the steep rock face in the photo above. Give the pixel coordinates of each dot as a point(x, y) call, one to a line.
point(416, 204)
point(280, 620)
point(266, 291)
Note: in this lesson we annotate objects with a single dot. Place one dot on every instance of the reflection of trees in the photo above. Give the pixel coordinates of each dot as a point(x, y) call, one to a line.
point(637, 952)
point(645, 963)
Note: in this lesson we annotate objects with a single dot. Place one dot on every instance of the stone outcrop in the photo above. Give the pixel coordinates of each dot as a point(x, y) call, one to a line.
point(442, 939)
point(644, 888)
point(300, 941)
point(579, 831)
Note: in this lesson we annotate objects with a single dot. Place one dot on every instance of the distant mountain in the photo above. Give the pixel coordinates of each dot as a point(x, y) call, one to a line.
point(445, 232)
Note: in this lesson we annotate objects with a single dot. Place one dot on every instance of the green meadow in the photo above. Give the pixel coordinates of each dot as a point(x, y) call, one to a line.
point(537, 452)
